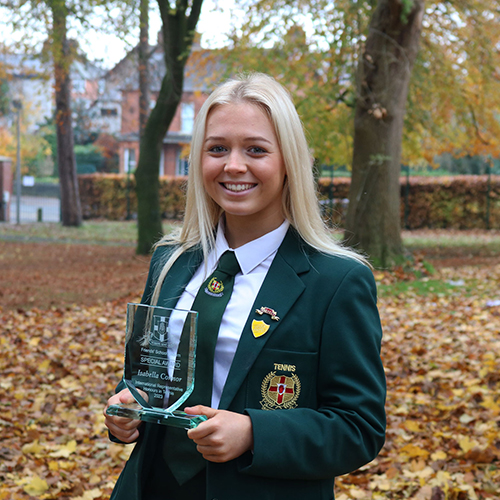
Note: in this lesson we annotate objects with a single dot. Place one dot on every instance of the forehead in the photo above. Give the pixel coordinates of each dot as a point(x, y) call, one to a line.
point(238, 113)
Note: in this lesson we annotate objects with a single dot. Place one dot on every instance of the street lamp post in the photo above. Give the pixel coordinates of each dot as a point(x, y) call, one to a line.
point(18, 106)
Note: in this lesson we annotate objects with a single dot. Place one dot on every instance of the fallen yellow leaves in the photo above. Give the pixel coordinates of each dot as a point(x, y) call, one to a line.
point(34, 486)
point(53, 442)
point(89, 495)
point(64, 451)
point(442, 359)
point(412, 451)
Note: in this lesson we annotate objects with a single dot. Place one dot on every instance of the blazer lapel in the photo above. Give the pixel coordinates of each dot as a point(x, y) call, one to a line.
point(280, 290)
point(178, 277)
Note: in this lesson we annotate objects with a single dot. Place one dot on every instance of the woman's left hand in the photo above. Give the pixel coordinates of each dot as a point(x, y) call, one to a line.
point(224, 436)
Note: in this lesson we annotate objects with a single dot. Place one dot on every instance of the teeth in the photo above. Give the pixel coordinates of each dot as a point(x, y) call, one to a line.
point(238, 187)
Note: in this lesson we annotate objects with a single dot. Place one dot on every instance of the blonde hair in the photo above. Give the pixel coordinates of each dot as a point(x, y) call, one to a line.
point(299, 200)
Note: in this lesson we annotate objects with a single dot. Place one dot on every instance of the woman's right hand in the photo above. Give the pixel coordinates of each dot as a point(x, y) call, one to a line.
point(124, 429)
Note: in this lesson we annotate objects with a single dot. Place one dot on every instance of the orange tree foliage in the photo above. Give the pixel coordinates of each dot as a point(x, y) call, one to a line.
point(441, 352)
point(313, 49)
point(34, 148)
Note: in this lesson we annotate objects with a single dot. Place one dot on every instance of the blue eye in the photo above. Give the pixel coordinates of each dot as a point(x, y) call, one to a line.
point(257, 150)
point(217, 149)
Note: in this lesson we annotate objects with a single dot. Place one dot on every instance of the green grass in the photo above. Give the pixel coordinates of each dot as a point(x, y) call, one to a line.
point(451, 239)
point(452, 243)
point(125, 232)
point(422, 287)
point(92, 232)
point(428, 287)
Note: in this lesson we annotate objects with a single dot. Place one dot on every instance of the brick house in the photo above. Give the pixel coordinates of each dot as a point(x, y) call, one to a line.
point(197, 86)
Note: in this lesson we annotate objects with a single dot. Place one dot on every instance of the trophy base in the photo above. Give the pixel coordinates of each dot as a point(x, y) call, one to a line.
point(156, 416)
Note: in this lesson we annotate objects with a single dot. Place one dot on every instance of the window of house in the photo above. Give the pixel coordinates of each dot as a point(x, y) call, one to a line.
point(129, 160)
point(109, 112)
point(79, 86)
point(162, 163)
point(187, 117)
point(182, 167)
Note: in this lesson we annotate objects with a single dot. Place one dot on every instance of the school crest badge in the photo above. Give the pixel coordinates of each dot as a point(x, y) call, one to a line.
point(280, 392)
point(215, 287)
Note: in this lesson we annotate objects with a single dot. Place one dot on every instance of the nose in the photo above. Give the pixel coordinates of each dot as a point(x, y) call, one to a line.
point(235, 163)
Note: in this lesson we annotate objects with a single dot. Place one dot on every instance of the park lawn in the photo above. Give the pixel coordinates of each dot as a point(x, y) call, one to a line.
point(437, 242)
point(90, 232)
point(63, 317)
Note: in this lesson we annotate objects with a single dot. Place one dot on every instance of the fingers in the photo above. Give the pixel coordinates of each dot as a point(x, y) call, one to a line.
point(125, 397)
point(124, 429)
point(201, 410)
point(224, 436)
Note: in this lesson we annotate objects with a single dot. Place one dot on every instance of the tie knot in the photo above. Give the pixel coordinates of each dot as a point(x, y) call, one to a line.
point(228, 263)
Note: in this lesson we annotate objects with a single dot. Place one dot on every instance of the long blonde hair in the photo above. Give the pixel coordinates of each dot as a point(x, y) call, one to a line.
point(299, 201)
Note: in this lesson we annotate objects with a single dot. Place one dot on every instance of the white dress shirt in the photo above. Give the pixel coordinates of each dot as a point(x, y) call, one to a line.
point(254, 259)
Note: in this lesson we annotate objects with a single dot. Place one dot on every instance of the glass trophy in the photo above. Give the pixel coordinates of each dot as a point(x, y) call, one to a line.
point(160, 357)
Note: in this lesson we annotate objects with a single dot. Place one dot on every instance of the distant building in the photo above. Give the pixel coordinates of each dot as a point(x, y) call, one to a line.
point(119, 102)
point(107, 102)
point(27, 79)
point(30, 80)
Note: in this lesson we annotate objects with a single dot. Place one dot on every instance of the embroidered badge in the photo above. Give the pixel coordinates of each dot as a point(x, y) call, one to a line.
point(268, 310)
point(279, 392)
point(259, 328)
point(215, 288)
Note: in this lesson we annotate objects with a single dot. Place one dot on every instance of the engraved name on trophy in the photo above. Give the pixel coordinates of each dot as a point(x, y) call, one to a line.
point(160, 357)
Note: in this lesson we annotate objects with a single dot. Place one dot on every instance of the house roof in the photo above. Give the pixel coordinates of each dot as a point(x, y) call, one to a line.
point(199, 72)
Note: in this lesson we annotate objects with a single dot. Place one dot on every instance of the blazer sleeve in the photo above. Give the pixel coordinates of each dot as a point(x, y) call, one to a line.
point(347, 430)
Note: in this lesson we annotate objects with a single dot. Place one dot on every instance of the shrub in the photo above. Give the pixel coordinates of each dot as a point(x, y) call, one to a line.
point(112, 196)
point(459, 202)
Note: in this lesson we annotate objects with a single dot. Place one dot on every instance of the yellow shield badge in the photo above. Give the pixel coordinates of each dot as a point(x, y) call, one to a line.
point(259, 328)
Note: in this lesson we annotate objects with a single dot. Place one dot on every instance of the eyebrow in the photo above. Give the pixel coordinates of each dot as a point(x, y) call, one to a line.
point(249, 139)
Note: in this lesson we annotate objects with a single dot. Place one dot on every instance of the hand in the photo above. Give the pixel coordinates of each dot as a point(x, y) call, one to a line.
point(124, 429)
point(224, 436)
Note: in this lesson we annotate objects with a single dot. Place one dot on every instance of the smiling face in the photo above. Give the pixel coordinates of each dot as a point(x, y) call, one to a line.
point(242, 167)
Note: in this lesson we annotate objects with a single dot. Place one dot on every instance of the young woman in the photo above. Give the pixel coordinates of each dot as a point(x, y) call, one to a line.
point(298, 388)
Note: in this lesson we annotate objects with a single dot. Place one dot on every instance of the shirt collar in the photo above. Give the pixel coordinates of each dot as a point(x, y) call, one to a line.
point(254, 252)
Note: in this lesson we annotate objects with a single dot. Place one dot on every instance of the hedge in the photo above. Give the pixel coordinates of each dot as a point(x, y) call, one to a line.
point(112, 196)
point(458, 202)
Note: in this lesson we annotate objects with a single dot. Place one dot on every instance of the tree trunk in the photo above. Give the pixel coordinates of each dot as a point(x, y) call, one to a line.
point(178, 31)
point(373, 219)
point(143, 66)
point(71, 212)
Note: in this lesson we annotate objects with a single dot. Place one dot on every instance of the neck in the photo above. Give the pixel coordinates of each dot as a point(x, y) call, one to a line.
point(240, 231)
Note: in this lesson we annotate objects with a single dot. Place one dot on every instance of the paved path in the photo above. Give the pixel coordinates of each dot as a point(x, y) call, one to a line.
point(29, 209)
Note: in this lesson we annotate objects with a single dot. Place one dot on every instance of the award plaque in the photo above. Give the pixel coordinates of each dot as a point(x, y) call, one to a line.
point(160, 357)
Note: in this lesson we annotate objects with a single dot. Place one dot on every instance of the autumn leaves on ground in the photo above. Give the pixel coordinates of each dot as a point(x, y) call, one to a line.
point(62, 322)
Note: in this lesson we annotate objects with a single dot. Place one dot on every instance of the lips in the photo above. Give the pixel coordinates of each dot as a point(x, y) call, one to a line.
point(236, 188)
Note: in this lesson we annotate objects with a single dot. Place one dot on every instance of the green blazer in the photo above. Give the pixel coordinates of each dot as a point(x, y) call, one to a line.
point(313, 383)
